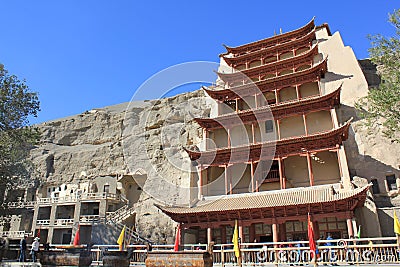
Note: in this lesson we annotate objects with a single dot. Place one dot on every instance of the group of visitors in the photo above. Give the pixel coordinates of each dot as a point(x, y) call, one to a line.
point(34, 249)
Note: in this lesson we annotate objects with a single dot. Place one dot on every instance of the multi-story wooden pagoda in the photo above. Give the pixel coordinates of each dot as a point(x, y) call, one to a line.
point(274, 153)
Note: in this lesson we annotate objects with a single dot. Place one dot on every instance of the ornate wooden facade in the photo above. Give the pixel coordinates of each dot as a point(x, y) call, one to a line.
point(285, 64)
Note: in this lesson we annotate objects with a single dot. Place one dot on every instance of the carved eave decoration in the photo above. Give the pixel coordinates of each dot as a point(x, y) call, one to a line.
point(304, 41)
point(267, 206)
point(308, 75)
point(272, 41)
point(278, 111)
point(278, 66)
point(272, 149)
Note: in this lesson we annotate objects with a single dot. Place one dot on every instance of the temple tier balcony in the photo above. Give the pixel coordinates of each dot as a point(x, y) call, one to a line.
point(267, 85)
point(273, 51)
point(331, 139)
point(292, 63)
point(279, 110)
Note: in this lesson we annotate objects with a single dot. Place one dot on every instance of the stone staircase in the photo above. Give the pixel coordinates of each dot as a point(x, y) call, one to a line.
point(121, 214)
point(130, 234)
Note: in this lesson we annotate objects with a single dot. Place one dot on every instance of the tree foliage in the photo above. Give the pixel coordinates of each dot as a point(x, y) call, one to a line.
point(17, 104)
point(381, 107)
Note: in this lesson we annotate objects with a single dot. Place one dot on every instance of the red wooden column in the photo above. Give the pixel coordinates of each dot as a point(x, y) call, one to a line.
point(339, 163)
point(240, 229)
point(252, 176)
point(305, 124)
point(253, 135)
point(229, 137)
point(298, 94)
point(310, 171)
point(276, 96)
point(275, 237)
point(205, 137)
point(227, 181)
point(350, 229)
point(282, 179)
point(200, 173)
point(237, 104)
point(278, 128)
point(209, 235)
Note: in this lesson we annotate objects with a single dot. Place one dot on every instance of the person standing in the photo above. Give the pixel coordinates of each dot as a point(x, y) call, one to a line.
point(35, 249)
point(3, 246)
point(22, 249)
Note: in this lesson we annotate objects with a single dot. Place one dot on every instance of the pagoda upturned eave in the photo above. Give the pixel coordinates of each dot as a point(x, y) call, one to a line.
point(308, 75)
point(270, 41)
point(263, 53)
point(269, 205)
point(304, 58)
point(272, 149)
point(278, 111)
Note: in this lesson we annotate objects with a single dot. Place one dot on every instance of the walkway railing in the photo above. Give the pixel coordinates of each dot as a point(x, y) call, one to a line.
point(89, 219)
point(15, 234)
point(343, 252)
point(83, 197)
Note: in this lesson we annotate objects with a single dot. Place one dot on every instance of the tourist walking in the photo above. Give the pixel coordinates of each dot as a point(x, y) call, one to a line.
point(22, 249)
point(35, 248)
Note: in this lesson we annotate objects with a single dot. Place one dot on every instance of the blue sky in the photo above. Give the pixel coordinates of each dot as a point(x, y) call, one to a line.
point(84, 54)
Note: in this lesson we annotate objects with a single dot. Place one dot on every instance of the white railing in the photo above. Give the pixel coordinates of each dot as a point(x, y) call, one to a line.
point(43, 222)
point(21, 204)
point(83, 196)
point(89, 218)
point(62, 222)
point(15, 234)
point(345, 251)
point(382, 251)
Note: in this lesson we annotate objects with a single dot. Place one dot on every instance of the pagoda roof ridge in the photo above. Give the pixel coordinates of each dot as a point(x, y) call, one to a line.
point(231, 49)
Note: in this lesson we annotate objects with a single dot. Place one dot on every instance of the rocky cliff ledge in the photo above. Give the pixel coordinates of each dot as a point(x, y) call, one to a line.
point(144, 137)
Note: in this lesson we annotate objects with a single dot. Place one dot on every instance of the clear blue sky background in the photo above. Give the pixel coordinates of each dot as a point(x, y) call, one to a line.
point(84, 54)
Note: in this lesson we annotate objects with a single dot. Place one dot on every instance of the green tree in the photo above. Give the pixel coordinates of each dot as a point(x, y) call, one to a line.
point(17, 104)
point(381, 107)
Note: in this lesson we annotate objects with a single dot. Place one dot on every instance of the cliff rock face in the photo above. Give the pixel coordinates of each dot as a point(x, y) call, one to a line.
point(139, 137)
